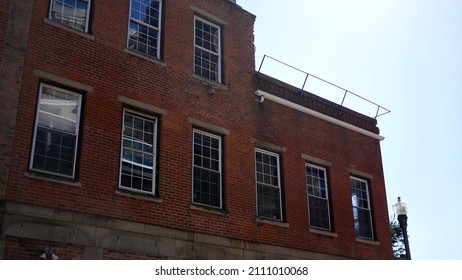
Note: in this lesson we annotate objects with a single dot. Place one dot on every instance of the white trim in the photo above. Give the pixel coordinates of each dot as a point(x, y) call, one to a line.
point(313, 113)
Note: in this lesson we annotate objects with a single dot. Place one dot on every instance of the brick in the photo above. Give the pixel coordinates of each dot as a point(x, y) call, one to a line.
point(101, 63)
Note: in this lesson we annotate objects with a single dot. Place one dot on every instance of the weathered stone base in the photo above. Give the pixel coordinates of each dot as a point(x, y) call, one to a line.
point(98, 234)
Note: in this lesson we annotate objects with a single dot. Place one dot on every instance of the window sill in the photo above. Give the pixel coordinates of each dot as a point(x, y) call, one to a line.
point(368, 241)
point(145, 57)
point(52, 178)
point(210, 83)
point(70, 29)
point(323, 232)
point(209, 209)
point(272, 222)
point(136, 195)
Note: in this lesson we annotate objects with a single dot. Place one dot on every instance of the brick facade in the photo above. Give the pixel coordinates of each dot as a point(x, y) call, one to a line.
point(90, 217)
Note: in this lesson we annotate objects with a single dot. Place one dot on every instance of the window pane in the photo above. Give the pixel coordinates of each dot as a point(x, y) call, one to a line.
point(268, 189)
point(72, 13)
point(207, 169)
point(138, 153)
point(317, 197)
point(58, 110)
point(207, 52)
point(144, 28)
point(361, 208)
point(56, 132)
point(268, 202)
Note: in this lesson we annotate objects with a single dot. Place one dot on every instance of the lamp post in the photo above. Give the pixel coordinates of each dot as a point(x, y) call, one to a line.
point(400, 209)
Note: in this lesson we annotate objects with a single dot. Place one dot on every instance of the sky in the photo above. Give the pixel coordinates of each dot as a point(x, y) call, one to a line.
point(405, 55)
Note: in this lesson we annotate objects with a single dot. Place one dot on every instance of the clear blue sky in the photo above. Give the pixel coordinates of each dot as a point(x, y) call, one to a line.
point(405, 55)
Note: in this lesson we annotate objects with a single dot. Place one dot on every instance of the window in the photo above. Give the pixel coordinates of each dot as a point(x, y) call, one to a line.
point(318, 198)
point(268, 185)
point(72, 13)
point(207, 50)
point(207, 169)
point(56, 131)
point(361, 207)
point(138, 152)
point(144, 27)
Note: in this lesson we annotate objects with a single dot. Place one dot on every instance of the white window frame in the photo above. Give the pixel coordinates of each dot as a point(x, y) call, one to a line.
point(142, 165)
point(278, 186)
point(149, 27)
point(217, 54)
point(368, 209)
point(326, 198)
point(219, 171)
point(87, 14)
point(50, 129)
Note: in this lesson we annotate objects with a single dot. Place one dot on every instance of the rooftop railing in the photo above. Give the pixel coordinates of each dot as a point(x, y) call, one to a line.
point(355, 101)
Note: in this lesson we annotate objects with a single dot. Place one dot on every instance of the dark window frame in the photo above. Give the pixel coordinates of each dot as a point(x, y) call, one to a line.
point(130, 154)
point(362, 207)
point(320, 195)
point(203, 52)
point(52, 15)
point(266, 181)
point(48, 121)
point(206, 167)
point(133, 20)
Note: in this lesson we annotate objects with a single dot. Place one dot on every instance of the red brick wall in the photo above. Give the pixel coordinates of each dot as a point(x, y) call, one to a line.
point(102, 63)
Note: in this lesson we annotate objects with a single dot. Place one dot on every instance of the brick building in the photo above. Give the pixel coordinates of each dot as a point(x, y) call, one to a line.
point(135, 129)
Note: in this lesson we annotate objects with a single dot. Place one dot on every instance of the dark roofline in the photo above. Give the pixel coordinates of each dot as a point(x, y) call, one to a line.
point(314, 102)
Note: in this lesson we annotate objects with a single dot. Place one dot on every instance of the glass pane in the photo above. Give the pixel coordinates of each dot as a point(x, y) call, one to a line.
point(148, 160)
point(58, 110)
point(268, 202)
point(147, 185)
point(214, 165)
point(72, 13)
point(138, 157)
point(127, 154)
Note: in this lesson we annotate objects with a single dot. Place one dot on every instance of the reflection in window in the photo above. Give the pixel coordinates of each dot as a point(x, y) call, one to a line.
point(207, 169)
point(361, 208)
point(318, 200)
point(268, 185)
point(72, 13)
point(144, 27)
point(56, 131)
point(137, 167)
point(207, 61)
